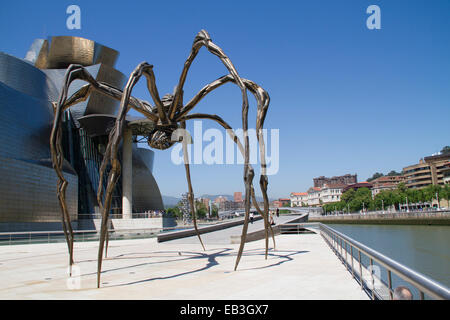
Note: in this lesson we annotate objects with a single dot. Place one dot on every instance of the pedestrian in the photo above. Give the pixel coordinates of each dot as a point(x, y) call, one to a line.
point(278, 212)
point(402, 293)
point(251, 217)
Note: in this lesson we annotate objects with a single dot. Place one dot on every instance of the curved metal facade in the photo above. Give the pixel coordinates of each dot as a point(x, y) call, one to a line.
point(146, 194)
point(27, 88)
point(28, 180)
point(62, 51)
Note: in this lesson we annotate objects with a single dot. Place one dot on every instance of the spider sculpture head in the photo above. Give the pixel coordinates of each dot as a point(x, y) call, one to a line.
point(161, 137)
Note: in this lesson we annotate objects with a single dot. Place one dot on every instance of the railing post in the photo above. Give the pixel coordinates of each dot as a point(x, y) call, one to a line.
point(391, 296)
point(351, 254)
point(360, 269)
point(373, 280)
point(345, 254)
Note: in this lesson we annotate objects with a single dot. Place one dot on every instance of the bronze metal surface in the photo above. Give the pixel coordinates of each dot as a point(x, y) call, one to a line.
point(166, 116)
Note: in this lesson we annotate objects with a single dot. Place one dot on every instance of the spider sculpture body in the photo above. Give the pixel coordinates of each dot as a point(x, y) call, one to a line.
point(168, 114)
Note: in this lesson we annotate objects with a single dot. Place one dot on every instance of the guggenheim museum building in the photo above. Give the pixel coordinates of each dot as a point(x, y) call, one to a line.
point(28, 86)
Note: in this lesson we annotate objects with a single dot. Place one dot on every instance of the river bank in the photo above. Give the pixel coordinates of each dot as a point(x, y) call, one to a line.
point(417, 218)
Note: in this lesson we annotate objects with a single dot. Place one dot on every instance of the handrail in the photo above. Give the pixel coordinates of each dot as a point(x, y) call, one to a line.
point(418, 280)
point(82, 231)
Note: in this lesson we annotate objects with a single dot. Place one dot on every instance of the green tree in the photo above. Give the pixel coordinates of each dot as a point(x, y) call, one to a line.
point(375, 176)
point(201, 210)
point(348, 195)
point(445, 150)
point(175, 212)
point(445, 194)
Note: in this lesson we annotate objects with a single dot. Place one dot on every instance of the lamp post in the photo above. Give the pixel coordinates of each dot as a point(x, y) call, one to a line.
point(382, 205)
point(407, 206)
point(437, 198)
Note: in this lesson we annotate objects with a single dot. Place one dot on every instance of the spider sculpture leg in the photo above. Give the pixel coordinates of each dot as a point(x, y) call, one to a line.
point(75, 72)
point(188, 177)
point(235, 138)
point(263, 100)
point(58, 158)
point(203, 39)
point(115, 138)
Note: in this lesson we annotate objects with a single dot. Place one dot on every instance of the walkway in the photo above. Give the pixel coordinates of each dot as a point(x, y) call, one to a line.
point(302, 267)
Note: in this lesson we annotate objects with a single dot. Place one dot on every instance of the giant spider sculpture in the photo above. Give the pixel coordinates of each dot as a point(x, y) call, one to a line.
point(169, 114)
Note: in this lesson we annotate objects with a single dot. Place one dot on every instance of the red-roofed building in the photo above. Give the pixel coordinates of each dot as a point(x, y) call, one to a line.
point(385, 183)
point(299, 199)
point(314, 196)
point(358, 185)
point(282, 202)
point(331, 192)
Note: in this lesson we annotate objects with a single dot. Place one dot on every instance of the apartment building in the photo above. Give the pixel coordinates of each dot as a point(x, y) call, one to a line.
point(331, 193)
point(299, 199)
point(385, 183)
point(345, 179)
point(429, 170)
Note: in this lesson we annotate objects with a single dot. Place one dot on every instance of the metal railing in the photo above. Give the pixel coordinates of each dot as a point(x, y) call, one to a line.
point(366, 264)
point(34, 237)
point(428, 212)
point(143, 215)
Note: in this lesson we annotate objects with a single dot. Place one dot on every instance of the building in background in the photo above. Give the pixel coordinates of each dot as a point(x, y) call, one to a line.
point(331, 193)
point(238, 197)
point(299, 199)
point(385, 183)
point(429, 170)
point(28, 199)
point(446, 173)
point(358, 185)
point(282, 202)
point(314, 196)
point(345, 179)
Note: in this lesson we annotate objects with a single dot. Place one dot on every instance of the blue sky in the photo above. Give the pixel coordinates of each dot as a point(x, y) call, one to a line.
point(345, 98)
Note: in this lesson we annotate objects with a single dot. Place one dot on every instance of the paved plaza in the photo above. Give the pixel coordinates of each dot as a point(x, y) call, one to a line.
point(302, 267)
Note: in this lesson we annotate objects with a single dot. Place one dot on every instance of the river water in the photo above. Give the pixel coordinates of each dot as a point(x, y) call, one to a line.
point(425, 249)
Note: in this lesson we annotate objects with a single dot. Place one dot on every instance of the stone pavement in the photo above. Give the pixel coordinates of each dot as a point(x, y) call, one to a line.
point(302, 267)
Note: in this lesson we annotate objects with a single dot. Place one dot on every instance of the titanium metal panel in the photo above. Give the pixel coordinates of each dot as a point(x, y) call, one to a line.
point(28, 188)
point(146, 193)
point(96, 103)
point(66, 50)
point(27, 191)
point(22, 76)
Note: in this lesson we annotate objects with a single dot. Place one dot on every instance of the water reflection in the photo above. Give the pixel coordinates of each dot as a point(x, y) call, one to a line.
point(421, 248)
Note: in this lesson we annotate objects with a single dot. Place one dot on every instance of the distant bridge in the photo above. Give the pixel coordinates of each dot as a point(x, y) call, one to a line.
point(293, 210)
